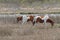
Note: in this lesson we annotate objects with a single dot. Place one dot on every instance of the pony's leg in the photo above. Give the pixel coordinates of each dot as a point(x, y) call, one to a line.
point(24, 22)
point(36, 23)
point(33, 22)
point(20, 22)
point(45, 23)
point(17, 21)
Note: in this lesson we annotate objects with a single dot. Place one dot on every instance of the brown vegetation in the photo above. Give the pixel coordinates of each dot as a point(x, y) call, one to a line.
point(11, 30)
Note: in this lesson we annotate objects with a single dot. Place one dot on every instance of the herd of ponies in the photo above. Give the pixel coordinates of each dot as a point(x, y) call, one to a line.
point(35, 19)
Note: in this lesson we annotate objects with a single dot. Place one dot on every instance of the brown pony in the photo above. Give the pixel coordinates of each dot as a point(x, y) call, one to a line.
point(39, 19)
point(19, 18)
point(31, 18)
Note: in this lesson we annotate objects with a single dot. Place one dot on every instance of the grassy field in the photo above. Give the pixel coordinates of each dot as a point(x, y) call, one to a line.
point(17, 31)
point(11, 30)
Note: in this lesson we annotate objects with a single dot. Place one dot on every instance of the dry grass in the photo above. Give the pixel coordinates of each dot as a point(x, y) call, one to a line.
point(10, 30)
point(29, 32)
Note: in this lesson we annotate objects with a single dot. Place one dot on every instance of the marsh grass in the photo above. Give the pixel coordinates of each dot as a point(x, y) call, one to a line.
point(5, 31)
point(16, 31)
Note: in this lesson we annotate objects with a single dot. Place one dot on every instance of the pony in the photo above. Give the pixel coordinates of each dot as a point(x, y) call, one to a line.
point(30, 18)
point(25, 19)
point(35, 19)
point(22, 18)
point(19, 18)
point(43, 19)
